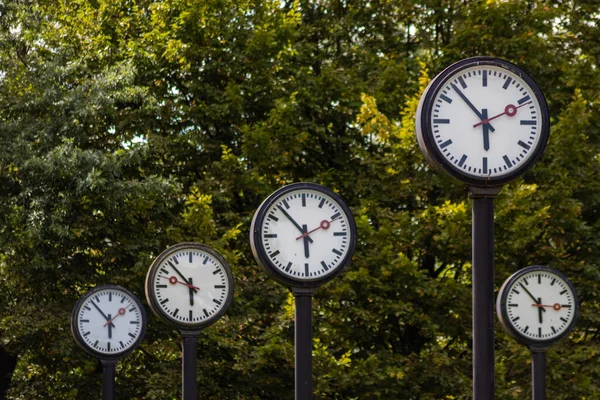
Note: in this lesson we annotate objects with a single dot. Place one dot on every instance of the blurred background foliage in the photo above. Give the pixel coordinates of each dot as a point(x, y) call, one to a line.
point(127, 126)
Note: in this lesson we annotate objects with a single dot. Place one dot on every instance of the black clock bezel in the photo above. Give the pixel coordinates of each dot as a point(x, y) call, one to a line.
point(502, 309)
point(424, 128)
point(153, 301)
point(83, 344)
point(260, 253)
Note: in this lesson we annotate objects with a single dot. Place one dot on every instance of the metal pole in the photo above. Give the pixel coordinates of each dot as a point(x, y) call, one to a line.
point(538, 374)
point(189, 366)
point(108, 379)
point(303, 342)
point(483, 291)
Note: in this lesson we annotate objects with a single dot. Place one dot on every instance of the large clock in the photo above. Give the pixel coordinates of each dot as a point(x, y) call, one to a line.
point(189, 285)
point(537, 306)
point(303, 234)
point(108, 321)
point(483, 121)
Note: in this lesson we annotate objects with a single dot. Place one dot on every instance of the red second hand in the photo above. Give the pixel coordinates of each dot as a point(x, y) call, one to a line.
point(509, 110)
point(173, 280)
point(323, 225)
point(555, 306)
point(121, 312)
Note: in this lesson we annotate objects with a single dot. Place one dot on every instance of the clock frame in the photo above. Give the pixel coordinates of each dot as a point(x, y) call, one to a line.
point(83, 328)
point(565, 297)
point(311, 207)
point(206, 299)
point(455, 167)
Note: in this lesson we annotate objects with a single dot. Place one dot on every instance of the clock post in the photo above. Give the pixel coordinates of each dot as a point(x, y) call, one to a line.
point(304, 235)
point(189, 286)
point(537, 306)
point(483, 122)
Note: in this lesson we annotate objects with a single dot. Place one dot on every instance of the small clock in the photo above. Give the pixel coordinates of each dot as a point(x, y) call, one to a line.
point(108, 321)
point(189, 285)
point(483, 121)
point(537, 306)
point(303, 234)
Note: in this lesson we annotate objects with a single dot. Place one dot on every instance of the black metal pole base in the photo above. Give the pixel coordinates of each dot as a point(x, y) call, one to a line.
point(189, 365)
point(108, 379)
point(483, 291)
point(538, 374)
point(303, 342)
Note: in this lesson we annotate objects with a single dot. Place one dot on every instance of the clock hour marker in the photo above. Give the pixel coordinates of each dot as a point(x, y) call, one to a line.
point(285, 203)
point(339, 253)
point(161, 286)
point(339, 233)
point(95, 343)
point(191, 315)
point(539, 279)
point(516, 291)
point(462, 82)
point(270, 235)
point(524, 99)
point(528, 122)
point(109, 296)
point(526, 329)
point(306, 269)
point(205, 312)
point(190, 257)
point(507, 161)
point(274, 218)
point(131, 334)
point(84, 320)
point(205, 260)
point(287, 269)
point(303, 199)
point(441, 121)
point(175, 312)
point(566, 305)
point(513, 305)
point(121, 343)
point(219, 286)
point(321, 203)
point(335, 216)
point(484, 78)
point(507, 83)
point(164, 271)
point(217, 302)
point(164, 301)
point(553, 330)
point(516, 319)
point(563, 292)
point(87, 333)
point(134, 322)
point(108, 346)
point(216, 271)
point(553, 281)
point(526, 282)
point(325, 267)
point(275, 253)
point(87, 308)
point(524, 145)
point(485, 168)
point(175, 260)
point(446, 99)
point(446, 144)
point(462, 160)
point(123, 299)
point(563, 319)
point(540, 331)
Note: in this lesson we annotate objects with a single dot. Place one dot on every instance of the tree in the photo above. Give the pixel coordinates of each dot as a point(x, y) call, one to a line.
point(128, 126)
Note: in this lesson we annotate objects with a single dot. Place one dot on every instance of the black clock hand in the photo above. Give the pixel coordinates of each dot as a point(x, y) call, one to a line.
point(486, 131)
point(102, 313)
point(540, 310)
point(183, 277)
point(306, 252)
point(288, 216)
point(471, 106)
point(530, 295)
point(191, 292)
point(110, 328)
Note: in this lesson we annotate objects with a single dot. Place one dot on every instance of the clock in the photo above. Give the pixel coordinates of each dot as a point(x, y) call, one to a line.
point(537, 306)
point(483, 121)
point(189, 285)
point(303, 234)
point(108, 321)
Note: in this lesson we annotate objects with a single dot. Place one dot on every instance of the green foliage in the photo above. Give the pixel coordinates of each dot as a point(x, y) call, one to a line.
point(128, 126)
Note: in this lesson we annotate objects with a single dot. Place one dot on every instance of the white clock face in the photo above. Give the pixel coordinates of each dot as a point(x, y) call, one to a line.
point(190, 286)
point(305, 234)
point(109, 321)
point(540, 305)
point(484, 120)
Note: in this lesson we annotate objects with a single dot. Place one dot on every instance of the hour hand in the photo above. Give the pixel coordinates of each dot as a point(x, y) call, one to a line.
point(288, 216)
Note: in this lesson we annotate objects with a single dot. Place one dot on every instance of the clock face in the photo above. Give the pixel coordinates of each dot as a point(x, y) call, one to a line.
point(484, 121)
point(108, 321)
point(303, 234)
point(538, 305)
point(189, 285)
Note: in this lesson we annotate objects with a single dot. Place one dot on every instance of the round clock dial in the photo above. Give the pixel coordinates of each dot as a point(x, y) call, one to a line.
point(189, 285)
point(108, 321)
point(303, 234)
point(483, 120)
point(538, 305)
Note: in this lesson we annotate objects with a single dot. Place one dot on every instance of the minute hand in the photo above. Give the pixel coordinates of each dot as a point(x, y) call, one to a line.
point(530, 295)
point(471, 106)
point(288, 216)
